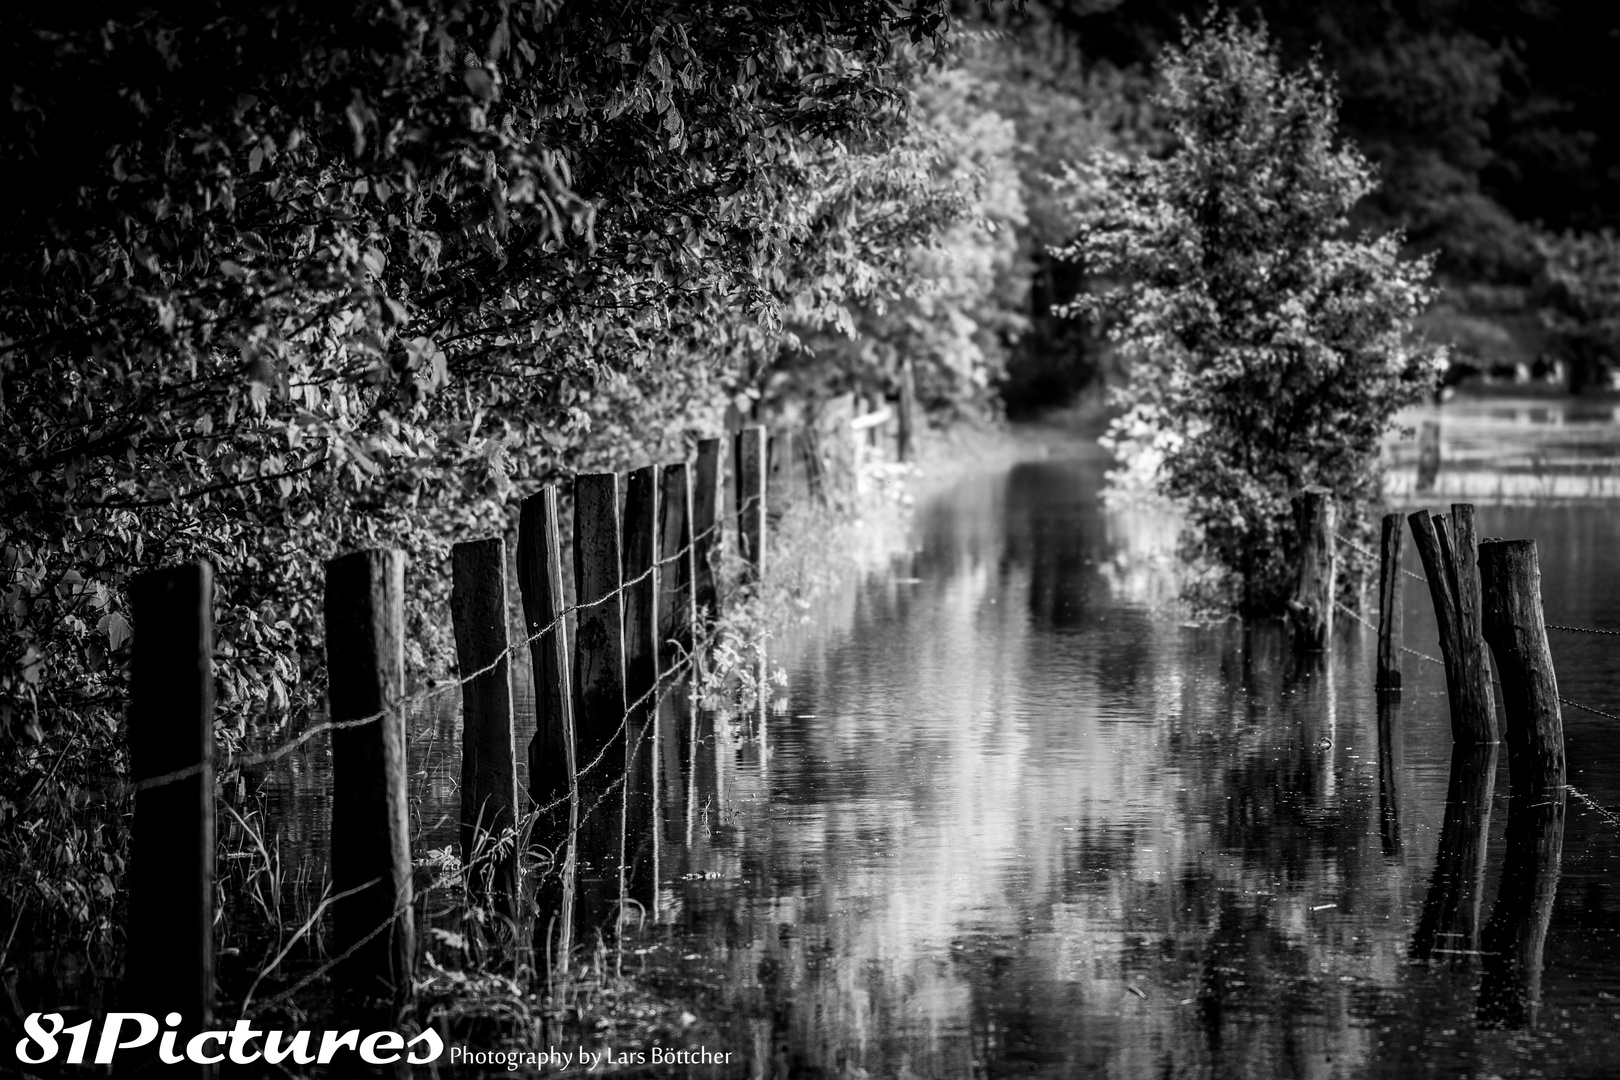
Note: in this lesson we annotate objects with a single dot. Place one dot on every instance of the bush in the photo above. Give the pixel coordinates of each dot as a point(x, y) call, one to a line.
point(1270, 348)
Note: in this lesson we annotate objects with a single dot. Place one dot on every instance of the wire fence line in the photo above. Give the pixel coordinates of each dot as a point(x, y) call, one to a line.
point(1374, 556)
point(1441, 663)
point(1356, 615)
point(410, 701)
point(1348, 542)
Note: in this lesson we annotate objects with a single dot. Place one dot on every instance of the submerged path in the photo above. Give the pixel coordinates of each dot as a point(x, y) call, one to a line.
point(1013, 817)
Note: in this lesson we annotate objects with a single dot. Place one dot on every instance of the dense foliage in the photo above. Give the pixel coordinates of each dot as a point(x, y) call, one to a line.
point(1270, 346)
point(283, 280)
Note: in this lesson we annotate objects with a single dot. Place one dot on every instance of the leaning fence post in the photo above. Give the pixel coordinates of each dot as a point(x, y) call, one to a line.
point(599, 701)
point(551, 753)
point(750, 471)
point(170, 966)
point(1389, 604)
point(641, 686)
point(1312, 603)
point(1472, 719)
point(1516, 628)
point(488, 740)
point(1462, 566)
point(371, 847)
point(706, 529)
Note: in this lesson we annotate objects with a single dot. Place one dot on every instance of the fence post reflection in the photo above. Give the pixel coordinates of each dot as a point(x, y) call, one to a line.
point(1448, 928)
point(1390, 755)
point(1510, 984)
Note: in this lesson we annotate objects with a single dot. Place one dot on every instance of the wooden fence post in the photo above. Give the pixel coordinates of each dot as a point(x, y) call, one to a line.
point(552, 761)
point(706, 530)
point(1312, 603)
point(1389, 605)
point(488, 740)
point(908, 411)
point(371, 846)
point(1462, 568)
point(1468, 689)
point(170, 963)
point(677, 620)
point(1428, 467)
point(750, 472)
point(599, 700)
point(1516, 628)
point(677, 605)
point(641, 644)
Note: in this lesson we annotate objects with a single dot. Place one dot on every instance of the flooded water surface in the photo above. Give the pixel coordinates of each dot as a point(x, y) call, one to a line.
point(1013, 817)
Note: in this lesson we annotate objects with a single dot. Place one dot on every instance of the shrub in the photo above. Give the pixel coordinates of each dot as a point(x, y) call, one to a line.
point(1269, 346)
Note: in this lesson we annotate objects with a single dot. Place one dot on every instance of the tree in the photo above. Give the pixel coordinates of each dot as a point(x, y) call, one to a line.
point(1270, 347)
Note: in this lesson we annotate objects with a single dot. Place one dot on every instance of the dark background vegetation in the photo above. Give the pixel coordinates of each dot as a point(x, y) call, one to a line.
point(1494, 130)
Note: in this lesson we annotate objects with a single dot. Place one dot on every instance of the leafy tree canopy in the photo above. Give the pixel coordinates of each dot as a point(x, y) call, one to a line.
point(1270, 347)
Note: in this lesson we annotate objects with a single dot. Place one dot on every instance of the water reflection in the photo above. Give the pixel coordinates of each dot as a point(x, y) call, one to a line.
point(1017, 820)
point(1448, 929)
point(1516, 936)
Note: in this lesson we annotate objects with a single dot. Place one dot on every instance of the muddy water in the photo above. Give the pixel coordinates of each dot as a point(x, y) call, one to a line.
point(1012, 816)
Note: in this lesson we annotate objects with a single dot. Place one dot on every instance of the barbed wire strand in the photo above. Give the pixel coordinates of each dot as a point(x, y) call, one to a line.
point(422, 696)
point(1592, 804)
point(1436, 660)
point(1345, 540)
point(1375, 557)
point(1356, 615)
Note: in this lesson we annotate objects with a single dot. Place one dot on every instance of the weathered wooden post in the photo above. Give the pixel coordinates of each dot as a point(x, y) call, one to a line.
point(371, 846)
point(1448, 928)
point(677, 619)
point(599, 693)
point(750, 471)
point(1462, 567)
point(1428, 468)
point(1516, 935)
point(1473, 712)
point(170, 963)
point(489, 796)
point(706, 530)
point(677, 571)
point(1517, 631)
point(552, 762)
point(1312, 603)
point(908, 411)
point(641, 646)
point(1389, 605)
